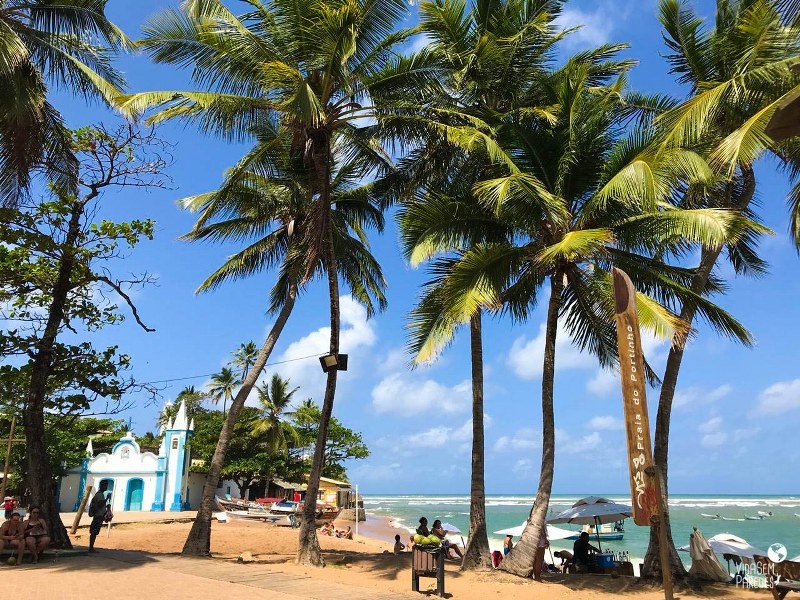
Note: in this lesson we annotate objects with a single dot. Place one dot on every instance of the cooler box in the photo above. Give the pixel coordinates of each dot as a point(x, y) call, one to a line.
point(605, 560)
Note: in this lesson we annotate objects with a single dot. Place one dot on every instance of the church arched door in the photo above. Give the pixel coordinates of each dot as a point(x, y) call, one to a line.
point(133, 496)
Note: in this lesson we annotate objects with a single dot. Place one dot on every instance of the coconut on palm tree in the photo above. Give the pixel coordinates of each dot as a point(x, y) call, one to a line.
point(739, 72)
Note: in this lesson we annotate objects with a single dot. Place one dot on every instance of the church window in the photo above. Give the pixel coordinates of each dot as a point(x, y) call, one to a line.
point(175, 442)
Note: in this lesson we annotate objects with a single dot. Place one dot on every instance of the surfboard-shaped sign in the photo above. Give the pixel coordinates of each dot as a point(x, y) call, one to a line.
point(637, 423)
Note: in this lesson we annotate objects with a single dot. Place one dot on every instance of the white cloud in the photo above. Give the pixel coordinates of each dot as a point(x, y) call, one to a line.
point(693, 397)
point(357, 334)
point(523, 439)
point(779, 398)
point(524, 468)
point(606, 423)
point(526, 356)
point(407, 396)
point(596, 26)
point(604, 382)
point(714, 440)
point(714, 434)
point(710, 426)
point(569, 444)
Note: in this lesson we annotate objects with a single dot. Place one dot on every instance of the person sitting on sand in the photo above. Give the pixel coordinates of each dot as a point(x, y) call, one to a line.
point(508, 544)
point(440, 532)
point(580, 552)
point(12, 533)
point(423, 527)
point(566, 559)
point(326, 529)
point(398, 545)
point(37, 537)
point(345, 533)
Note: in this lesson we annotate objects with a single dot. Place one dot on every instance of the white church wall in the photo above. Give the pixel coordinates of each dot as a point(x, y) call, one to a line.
point(69, 491)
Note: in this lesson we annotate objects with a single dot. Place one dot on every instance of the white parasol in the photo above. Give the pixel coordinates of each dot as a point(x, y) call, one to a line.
point(553, 533)
point(593, 511)
point(450, 528)
point(705, 563)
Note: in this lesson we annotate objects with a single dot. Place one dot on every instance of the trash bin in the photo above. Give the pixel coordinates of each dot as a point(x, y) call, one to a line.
point(427, 562)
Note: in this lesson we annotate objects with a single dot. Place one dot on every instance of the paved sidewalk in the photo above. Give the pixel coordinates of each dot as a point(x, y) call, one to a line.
point(144, 576)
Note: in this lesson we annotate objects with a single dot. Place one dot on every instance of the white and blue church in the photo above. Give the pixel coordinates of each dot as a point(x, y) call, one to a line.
point(140, 480)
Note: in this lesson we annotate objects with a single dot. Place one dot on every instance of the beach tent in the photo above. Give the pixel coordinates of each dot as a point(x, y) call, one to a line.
point(553, 533)
point(705, 563)
point(593, 511)
point(727, 545)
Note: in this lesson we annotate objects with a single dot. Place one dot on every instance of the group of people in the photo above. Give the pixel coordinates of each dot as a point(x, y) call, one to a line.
point(436, 529)
point(575, 561)
point(31, 534)
point(328, 529)
point(578, 559)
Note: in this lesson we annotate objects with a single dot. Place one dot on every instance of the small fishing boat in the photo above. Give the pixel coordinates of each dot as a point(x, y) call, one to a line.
point(764, 514)
point(243, 510)
point(707, 516)
point(607, 531)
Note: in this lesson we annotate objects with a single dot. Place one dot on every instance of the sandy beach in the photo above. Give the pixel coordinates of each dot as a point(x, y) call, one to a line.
point(364, 563)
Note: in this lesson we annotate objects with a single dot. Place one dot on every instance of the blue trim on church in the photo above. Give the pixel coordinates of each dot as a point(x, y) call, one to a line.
point(161, 473)
point(81, 484)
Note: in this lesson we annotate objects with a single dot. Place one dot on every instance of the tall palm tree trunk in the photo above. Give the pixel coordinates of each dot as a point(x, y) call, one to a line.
point(476, 554)
point(198, 542)
point(520, 561)
point(308, 551)
point(708, 258)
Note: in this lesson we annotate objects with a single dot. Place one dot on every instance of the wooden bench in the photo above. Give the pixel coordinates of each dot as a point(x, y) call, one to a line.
point(782, 577)
point(427, 563)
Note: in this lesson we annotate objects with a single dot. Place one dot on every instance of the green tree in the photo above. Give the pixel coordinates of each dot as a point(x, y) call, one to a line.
point(222, 386)
point(582, 200)
point(489, 52)
point(244, 357)
point(52, 261)
point(342, 444)
point(738, 71)
point(68, 43)
point(273, 400)
point(315, 70)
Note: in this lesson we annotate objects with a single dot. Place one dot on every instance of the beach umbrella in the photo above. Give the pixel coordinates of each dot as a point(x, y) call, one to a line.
point(728, 544)
point(705, 563)
point(553, 533)
point(450, 528)
point(593, 511)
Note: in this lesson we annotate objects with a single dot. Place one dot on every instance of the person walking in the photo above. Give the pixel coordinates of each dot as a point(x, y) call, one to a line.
point(97, 510)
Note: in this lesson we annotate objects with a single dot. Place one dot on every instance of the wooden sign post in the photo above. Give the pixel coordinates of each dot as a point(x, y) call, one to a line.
point(644, 480)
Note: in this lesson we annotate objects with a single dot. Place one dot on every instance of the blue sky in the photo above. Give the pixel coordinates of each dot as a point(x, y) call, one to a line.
point(735, 412)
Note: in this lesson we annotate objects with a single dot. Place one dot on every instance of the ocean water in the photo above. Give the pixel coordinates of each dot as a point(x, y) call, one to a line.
point(685, 513)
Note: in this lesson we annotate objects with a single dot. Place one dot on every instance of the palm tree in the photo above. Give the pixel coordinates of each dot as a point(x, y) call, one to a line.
point(68, 44)
point(310, 70)
point(738, 72)
point(265, 200)
point(489, 52)
point(582, 201)
point(244, 356)
point(222, 386)
point(274, 399)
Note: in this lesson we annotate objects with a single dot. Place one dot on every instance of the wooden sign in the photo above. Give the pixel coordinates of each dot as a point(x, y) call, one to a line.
point(637, 424)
